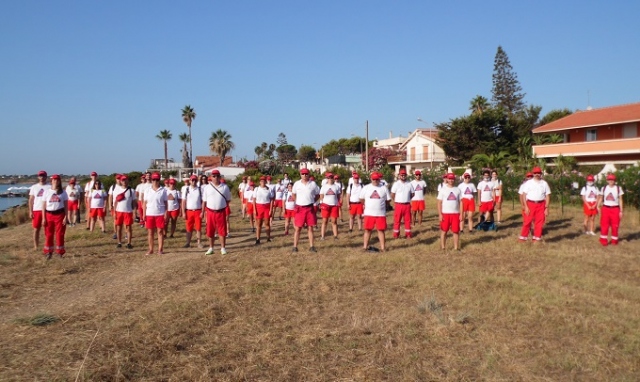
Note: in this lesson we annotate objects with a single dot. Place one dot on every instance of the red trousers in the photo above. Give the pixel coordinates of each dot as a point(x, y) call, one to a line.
point(55, 227)
point(609, 218)
point(535, 216)
point(402, 212)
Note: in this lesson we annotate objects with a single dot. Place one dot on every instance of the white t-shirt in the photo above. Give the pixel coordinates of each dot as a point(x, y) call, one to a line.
point(126, 204)
point(173, 198)
point(193, 198)
point(98, 198)
point(242, 186)
point(285, 182)
point(114, 190)
point(486, 190)
point(73, 192)
point(248, 193)
point(450, 197)
point(262, 195)
point(375, 200)
point(305, 193)
point(611, 195)
point(497, 185)
point(156, 201)
point(52, 201)
point(37, 191)
point(403, 191)
point(590, 193)
point(330, 194)
point(289, 200)
point(279, 191)
point(536, 190)
point(468, 190)
point(140, 188)
point(216, 198)
point(354, 192)
point(418, 188)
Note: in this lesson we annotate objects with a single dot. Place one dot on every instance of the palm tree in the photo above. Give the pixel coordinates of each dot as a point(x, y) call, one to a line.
point(188, 115)
point(478, 105)
point(165, 135)
point(492, 161)
point(555, 138)
point(220, 143)
point(186, 160)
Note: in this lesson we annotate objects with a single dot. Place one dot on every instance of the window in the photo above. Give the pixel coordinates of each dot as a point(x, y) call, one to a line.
point(592, 135)
point(630, 130)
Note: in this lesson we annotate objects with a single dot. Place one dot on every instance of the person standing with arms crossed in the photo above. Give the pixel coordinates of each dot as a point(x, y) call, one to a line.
point(401, 194)
point(215, 198)
point(589, 195)
point(450, 212)
point(54, 205)
point(36, 194)
point(611, 206)
point(537, 196)
point(154, 213)
point(417, 201)
point(306, 193)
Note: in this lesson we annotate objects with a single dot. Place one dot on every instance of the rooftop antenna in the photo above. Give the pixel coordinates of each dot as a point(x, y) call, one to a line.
point(589, 100)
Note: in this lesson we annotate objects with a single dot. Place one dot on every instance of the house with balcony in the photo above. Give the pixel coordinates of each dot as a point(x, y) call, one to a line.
point(604, 136)
point(421, 152)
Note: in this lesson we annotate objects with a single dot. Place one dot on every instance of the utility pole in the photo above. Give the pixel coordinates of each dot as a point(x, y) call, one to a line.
point(366, 156)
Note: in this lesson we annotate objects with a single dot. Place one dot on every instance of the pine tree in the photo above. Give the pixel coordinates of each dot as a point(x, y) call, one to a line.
point(507, 92)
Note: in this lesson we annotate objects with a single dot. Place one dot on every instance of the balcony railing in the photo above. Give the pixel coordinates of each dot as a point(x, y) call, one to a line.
point(591, 148)
point(416, 158)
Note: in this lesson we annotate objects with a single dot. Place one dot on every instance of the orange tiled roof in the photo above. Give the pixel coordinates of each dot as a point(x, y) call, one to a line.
point(595, 117)
point(213, 161)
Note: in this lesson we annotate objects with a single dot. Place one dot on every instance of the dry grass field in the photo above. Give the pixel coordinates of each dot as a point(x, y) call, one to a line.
point(497, 310)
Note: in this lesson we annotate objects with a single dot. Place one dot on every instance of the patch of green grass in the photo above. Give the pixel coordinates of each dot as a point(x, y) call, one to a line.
point(40, 319)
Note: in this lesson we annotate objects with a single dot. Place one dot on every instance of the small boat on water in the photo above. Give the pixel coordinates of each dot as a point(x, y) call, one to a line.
point(15, 192)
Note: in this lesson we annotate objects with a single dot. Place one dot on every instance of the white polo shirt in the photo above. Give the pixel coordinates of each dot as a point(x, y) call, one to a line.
point(375, 200)
point(193, 198)
point(262, 195)
point(403, 191)
point(450, 197)
point(216, 198)
point(536, 191)
point(173, 198)
point(305, 193)
point(354, 192)
point(156, 201)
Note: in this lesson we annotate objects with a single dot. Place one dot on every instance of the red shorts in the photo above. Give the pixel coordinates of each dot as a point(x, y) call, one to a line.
point(468, 205)
point(289, 213)
point(125, 218)
point(306, 214)
point(356, 209)
point(96, 213)
point(263, 211)
point(328, 211)
point(486, 206)
point(173, 214)
point(73, 205)
point(587, 210)
point(450, 221)
point(377, 222)
point(216, 222)
point(498, 199)
point(417, 205)
point(153, 222)
point(249, 209)
point(277, 203)
point(37, 219)
point(193, 220)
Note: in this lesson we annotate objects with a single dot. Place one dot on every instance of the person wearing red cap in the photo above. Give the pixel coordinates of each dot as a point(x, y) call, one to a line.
point(486, 197)
point(278, 202)
point(611, 207)
point(36, 192)
point(248, 196)
point(469, 192)
point(520, 192)
point(589, 195)
point(262, 201)
point(241, 188)
point(375, 198)
point(450, 211)
point(74, 192)
point(87, 196)
point(329, 206)
point(497, 188)
point(337, 182)
point(192, 211)
point(306, 193)
point(417, 201)
point(356, 209)
point(401, 193)
point(115, 188)
point(215, 199)
point(537, 196)
point(145, 182)
point(124, 205)
point(289, 202)
point(54, 205)
point(155, 206)
point(173, 207)
point(97, 206)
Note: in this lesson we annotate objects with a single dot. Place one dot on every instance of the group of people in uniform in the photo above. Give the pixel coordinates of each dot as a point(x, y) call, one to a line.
point(208, 198)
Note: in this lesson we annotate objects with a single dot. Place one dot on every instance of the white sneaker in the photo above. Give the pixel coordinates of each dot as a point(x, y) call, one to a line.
point(223, 251)
point(209, 252)
point(592, 233)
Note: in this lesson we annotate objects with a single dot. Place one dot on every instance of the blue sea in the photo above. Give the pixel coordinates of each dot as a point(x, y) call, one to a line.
point(6, 203)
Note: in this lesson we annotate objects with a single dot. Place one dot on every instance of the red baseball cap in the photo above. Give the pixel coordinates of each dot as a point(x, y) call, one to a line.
point(529, 175)
point(451, 175)
point(537, 170)
point(124, 177)
point(215, 172)
point(304, 171)
point(55, 176)
point(269, 177)
point(93, 173)
point(328, 175)
point(155, 176)
point(402, 171)
point(611, 177)
point(356, 176)
point(42, 173)
point(376, 176)
point(263, 177)
point(467, 175)
point(172, 181)
point(418, 172)
point(590, 178)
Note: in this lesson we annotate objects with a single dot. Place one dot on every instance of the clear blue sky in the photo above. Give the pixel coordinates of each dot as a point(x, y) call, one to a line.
point(87, 85)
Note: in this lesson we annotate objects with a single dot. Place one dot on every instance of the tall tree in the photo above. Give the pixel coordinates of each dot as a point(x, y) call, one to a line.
point(220, 143)
point(306, 153)
point(186, 160)
point(282, 139)
point(507, 92)
point(553, 115)
point(188, 115)
point(479, 104)
point(165, 136)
